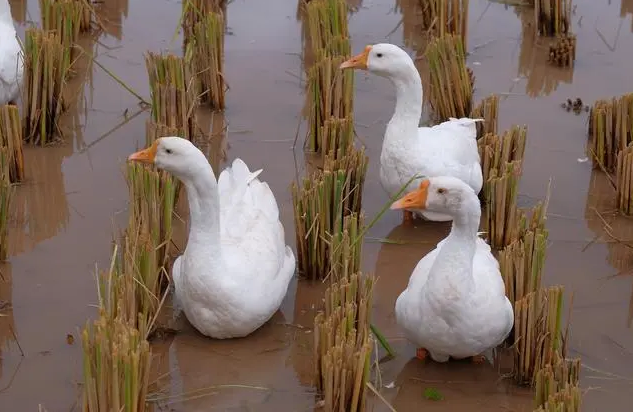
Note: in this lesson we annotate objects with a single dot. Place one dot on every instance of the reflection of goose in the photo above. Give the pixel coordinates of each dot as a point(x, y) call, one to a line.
point(542, 77)
point(255, 366)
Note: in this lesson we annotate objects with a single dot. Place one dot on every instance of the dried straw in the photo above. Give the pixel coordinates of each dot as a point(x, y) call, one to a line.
point(321, 205)
point(343, 343)
point(522, 261)
point(538, 329)
point(624, 180)
point(116, 354)
point(174, 92)
point(11, 138)
point(563, 52)
point(502, 216)
point(557, 386)
point(147, 240)
point(195, 11)
point(442, 17)
point(552, 17)
point(46, 65)
point(330, 91)
point(63, 17)
point(610, 129)
point(451, 90)
point(206, 51)
point(496, 151)
point(487, 109)
point(6, 194)
point(330, 113)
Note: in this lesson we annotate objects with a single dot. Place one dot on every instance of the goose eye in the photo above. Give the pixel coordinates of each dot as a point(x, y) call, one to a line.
point(378, 54)
point(168, 151)
point(441, 190)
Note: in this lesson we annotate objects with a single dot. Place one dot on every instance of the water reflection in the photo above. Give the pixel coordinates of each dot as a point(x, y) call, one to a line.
point(110, 15)
point(18, 10)
point(542, 77)
point(626, 7)
point(7, 324)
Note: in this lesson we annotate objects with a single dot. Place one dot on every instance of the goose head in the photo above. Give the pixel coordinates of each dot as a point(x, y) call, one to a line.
point(175, 155)
point(383, 59)
point(441, 194)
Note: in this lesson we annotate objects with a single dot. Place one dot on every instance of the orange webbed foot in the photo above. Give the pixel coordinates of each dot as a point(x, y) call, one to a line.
point(421, 353)
point(407, 217)
point(479, 359)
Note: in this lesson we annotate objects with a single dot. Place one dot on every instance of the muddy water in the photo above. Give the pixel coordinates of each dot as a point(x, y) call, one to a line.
point(75, 195)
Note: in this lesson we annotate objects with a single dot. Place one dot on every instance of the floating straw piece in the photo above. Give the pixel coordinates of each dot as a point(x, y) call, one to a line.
point(11, 138)
point(522, 261)
point(552, 17)
point(46, 65)
point(174, 93)
point(321, 205)
point(557, 386)
point(207, 51)
point(442, 17)
point(116, 355)
point(451, 90)
point(538, 331)
point(624, 180)
point(487, 109)
point(610, 129)
point(496, 151)
point(343, 343)
point(147, 240)
point(6, 194)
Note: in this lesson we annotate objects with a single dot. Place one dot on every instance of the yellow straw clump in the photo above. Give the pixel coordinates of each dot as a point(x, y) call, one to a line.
point(501, 215)
point(116, 354)
point(522, 261)
point(343, 343)
point(174, 94)
point(46, 65)
point(443, 17)
point(194, 11)
point(557, 386)
point(451, 89)
point(496, 151)
point(539, 339)
point(321, 205)
point(11, 138)
point(610, 130)
point(330, 91)
point(624, 180)
point(552, 17)
point(6, 193)
point(207, 51)
point(487, 109)
point(147, 240)
point(64, 17)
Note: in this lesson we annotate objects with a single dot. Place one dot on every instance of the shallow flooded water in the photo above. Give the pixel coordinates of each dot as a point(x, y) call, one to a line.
point(75, 196)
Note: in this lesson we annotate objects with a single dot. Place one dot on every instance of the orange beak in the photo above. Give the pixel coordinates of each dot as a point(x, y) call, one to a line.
point(146, 155)
point(357, 62)
point(415, 199)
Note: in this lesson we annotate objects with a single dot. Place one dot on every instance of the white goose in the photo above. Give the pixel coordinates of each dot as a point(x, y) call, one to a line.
point(11, 65)
point(455, 303)
point(235, 270)
point(447, 149)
